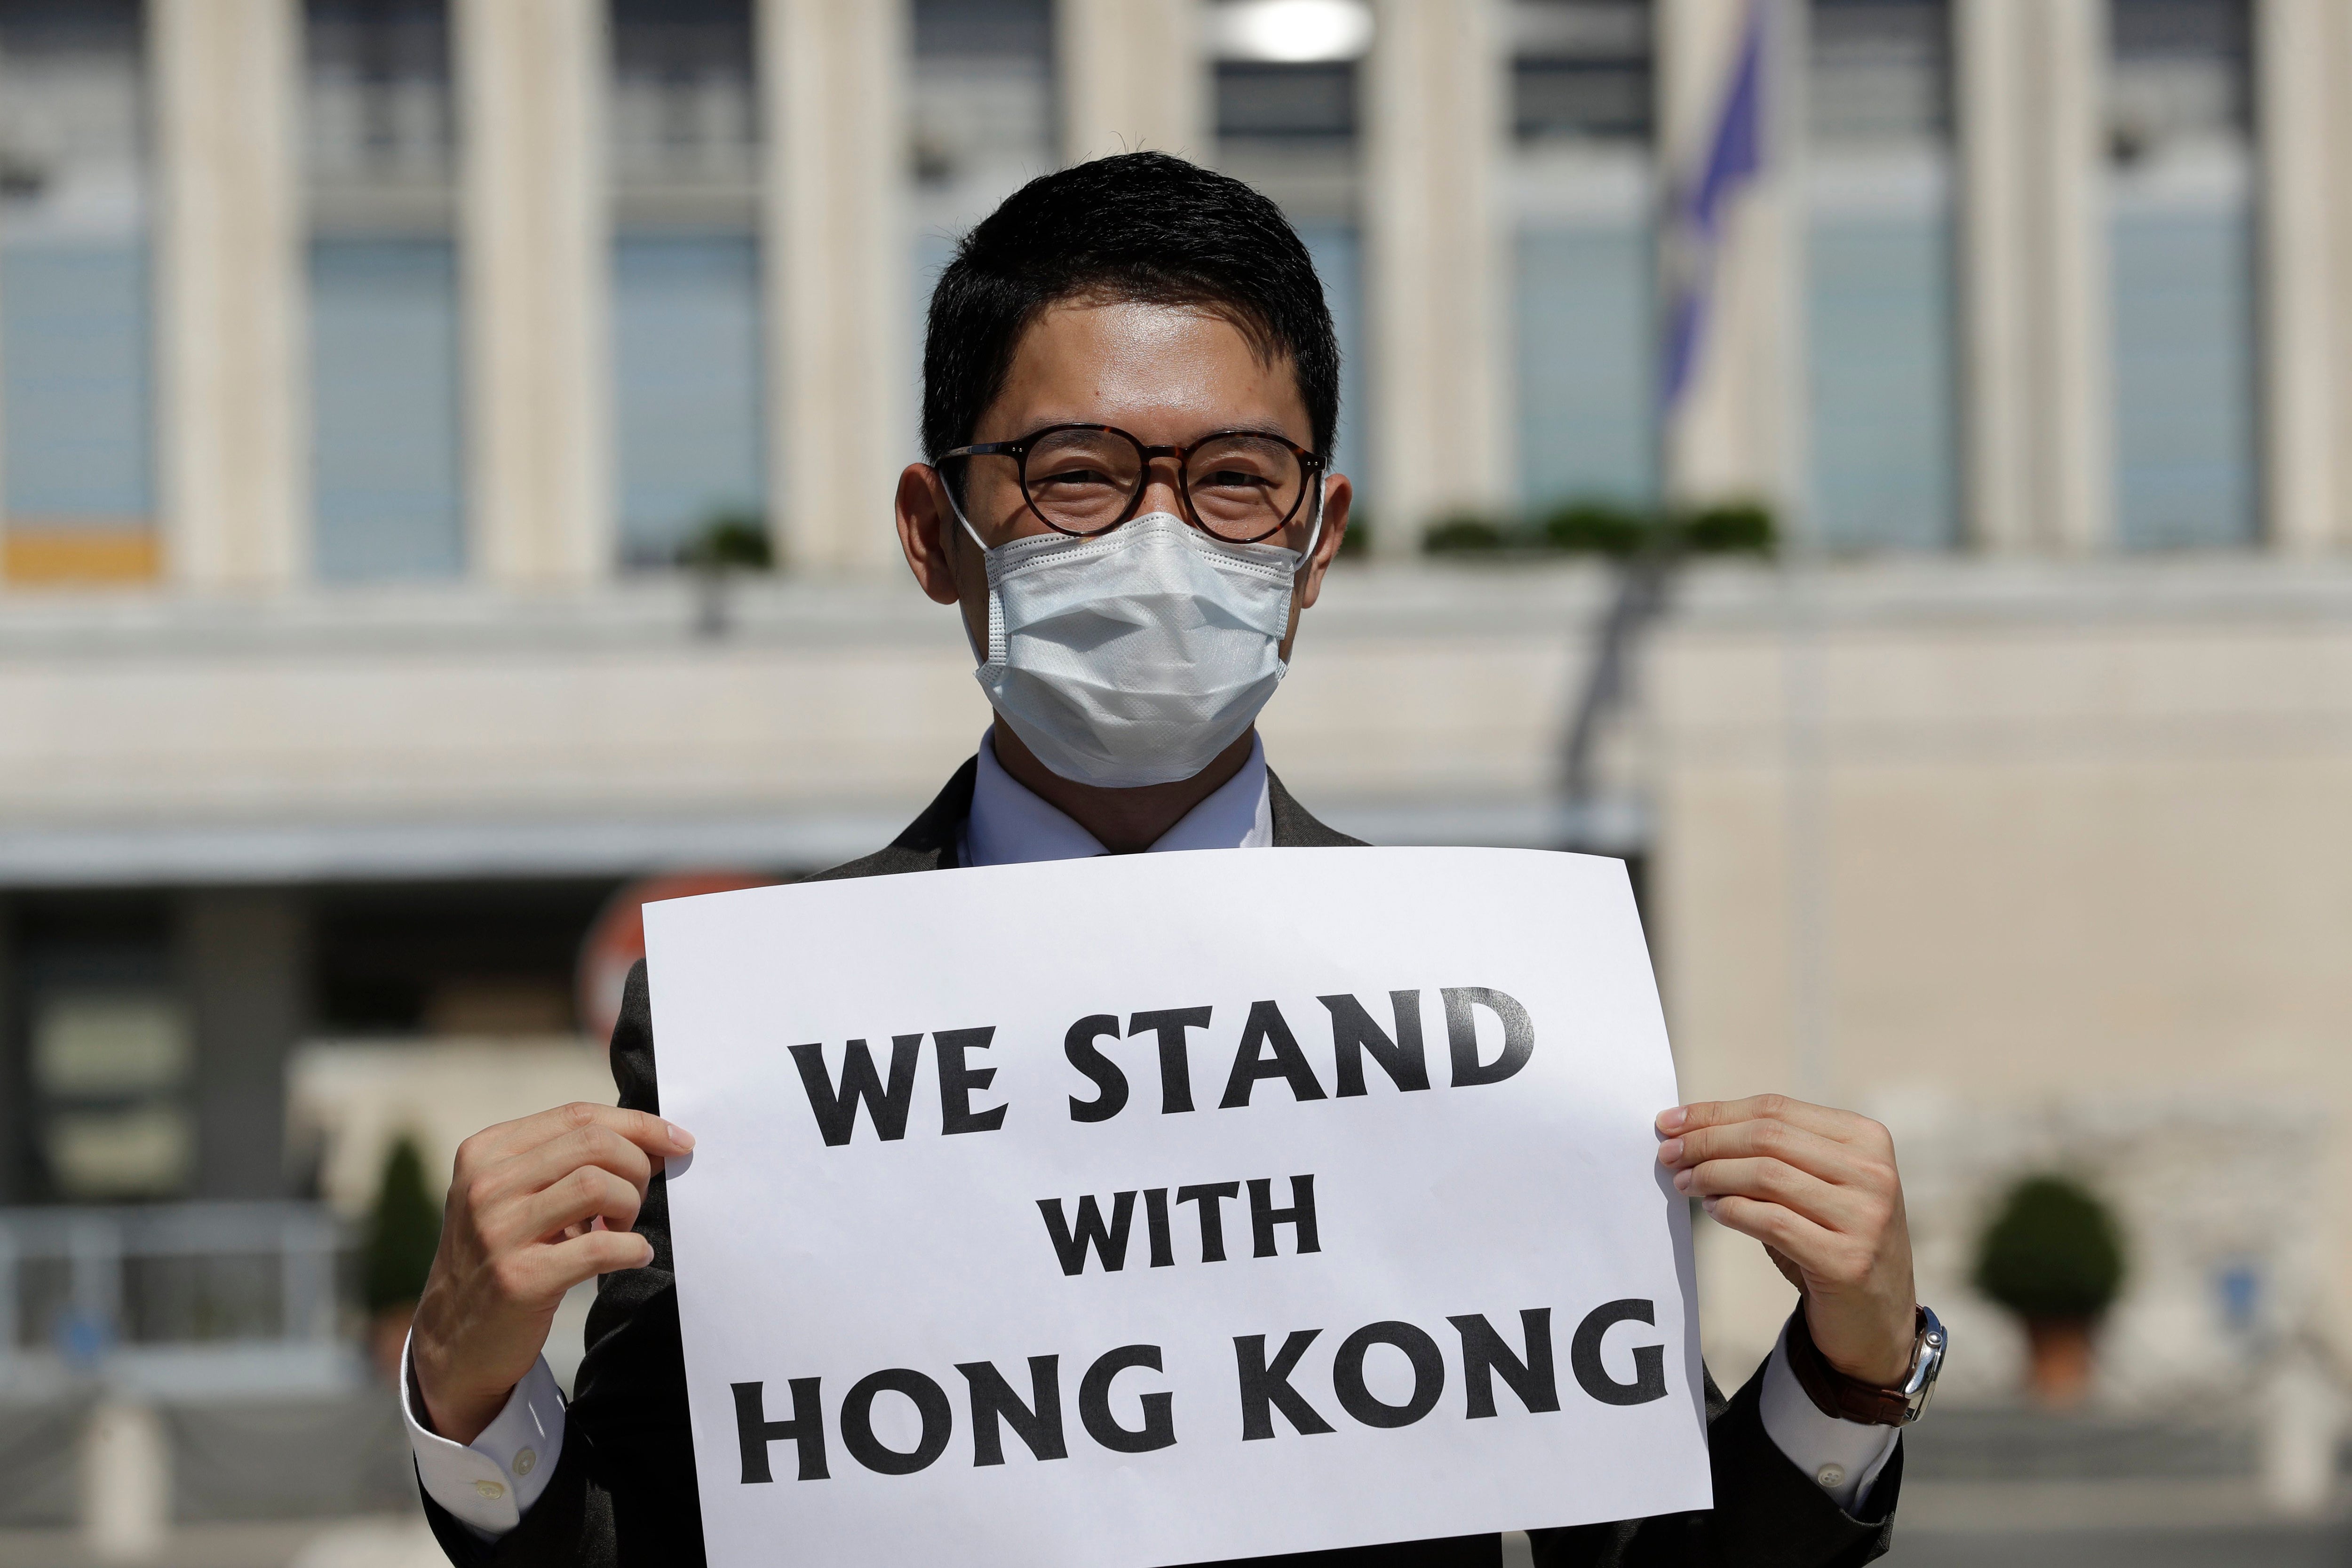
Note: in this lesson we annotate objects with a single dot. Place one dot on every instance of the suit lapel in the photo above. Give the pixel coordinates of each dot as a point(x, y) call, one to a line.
point(929, 842)
point(1293, 828)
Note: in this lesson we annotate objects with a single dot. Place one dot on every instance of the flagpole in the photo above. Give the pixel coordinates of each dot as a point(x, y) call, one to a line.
point(1804, 674)
point(1754, 142)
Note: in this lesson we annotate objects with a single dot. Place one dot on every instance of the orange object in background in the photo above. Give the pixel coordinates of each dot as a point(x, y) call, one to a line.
point(53, 555)
point(618, 939)
point(2060, 1362)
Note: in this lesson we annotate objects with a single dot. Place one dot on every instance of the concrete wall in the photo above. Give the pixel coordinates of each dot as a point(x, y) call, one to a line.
point(2079, 850)
point(423, 733)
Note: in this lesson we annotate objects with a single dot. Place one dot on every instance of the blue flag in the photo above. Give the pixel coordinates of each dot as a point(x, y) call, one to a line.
point(1734, 156)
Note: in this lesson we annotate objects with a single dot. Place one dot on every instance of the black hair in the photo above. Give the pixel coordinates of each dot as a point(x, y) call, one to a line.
point(1142, 226)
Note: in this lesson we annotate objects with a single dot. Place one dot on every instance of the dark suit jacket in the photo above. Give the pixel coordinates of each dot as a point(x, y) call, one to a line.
point(623, 1493)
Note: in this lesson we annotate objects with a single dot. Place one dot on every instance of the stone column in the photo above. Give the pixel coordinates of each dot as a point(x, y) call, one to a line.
point(2303, 52)
point(126, 1482)
point(4, 589)
point(534, 266)
point(1739, 431)
point(234, 472)
point(1436, 266)
point(2037, 424)
point(842, 403)
point(1131, 77)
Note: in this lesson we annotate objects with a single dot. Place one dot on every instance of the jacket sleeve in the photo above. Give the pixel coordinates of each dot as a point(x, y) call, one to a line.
point(622, 1492)
point(1768, 1513)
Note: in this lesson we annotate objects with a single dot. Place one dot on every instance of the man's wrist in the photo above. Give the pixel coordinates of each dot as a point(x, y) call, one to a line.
point(1840, 1394)
point(460, 1419)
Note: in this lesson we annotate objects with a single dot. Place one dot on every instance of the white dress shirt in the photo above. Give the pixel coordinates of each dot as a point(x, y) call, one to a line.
point(490, 1483)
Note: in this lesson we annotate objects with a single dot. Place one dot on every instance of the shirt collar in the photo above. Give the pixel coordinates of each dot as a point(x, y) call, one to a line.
point(1010, 824)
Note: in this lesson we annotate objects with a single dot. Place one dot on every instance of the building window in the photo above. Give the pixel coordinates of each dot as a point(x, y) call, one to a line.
point(1879, 284)
point(2181, 239)
point(686, 356)
point(983, 102)
point(76, 383)
point(1289, 84)
point(108, 1051)
point(1581, 192)
point(1581, 72)
point(387, 484)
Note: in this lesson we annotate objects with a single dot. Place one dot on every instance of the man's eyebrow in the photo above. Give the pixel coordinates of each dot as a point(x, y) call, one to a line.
point(1251, 427)
point(1260, 425)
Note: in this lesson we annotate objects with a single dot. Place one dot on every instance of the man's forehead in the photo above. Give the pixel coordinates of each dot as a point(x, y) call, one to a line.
point(1124, 361)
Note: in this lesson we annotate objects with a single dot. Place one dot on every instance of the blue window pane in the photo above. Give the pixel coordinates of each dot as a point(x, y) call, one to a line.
point(688, 400)
point(74, 320)
point(1336, 249)
point(934, 248)
point(1881, 348)
point(385, 419)
point(2184, 378)
point(1587, 425)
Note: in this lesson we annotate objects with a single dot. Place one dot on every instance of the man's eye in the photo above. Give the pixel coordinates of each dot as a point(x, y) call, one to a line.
point(1233, 479)
point(1073, 479)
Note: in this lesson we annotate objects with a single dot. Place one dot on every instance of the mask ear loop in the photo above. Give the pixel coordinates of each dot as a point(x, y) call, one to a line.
point(982, 655)
point(956, 507)
point(1315, 534)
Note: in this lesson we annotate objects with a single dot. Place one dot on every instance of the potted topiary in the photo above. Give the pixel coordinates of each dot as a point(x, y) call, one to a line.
point(2054, 1256)
point(403, 1233)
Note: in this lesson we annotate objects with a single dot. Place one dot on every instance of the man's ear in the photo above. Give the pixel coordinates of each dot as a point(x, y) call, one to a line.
point(928, 532)
point(1337, 494)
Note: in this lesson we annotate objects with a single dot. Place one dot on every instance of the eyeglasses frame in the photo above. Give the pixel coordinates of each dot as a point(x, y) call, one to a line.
point(1312, 464)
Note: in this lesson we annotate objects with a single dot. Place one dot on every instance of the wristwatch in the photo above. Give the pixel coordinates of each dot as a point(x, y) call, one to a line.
point(1850, 1398)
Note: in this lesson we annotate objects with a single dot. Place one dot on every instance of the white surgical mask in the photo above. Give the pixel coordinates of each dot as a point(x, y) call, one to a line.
point(1134, 657)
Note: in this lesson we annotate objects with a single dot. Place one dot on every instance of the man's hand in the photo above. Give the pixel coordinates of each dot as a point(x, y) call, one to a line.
point(1818, 1187)
point(535, 1206)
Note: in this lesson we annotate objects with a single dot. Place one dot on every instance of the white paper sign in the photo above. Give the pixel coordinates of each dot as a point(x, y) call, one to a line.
point(1174, 1208)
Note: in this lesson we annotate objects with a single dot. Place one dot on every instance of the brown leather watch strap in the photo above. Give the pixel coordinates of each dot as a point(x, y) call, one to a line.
point(1832, 1391)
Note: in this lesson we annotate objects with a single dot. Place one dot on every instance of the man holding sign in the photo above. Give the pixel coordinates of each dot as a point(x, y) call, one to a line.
point(1173, 1208)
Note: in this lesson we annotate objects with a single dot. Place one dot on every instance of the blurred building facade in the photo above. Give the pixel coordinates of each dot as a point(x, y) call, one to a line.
point(367, 367)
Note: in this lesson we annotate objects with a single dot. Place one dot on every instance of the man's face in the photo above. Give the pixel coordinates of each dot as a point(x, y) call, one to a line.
point(1167, 375)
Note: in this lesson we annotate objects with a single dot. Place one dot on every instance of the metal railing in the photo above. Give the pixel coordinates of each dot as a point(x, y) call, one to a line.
point(203, 1297)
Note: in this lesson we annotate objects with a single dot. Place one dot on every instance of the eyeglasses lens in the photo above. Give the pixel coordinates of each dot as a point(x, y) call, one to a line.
point(1242, 487)
point(1081, 480)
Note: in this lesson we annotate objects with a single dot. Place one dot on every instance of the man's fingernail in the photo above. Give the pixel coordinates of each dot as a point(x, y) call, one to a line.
point(1682, 1180)
point(1672, 1120)
point(679, 1135)
point(648, 1258)
point(1708, 1204)
point(1670, 1150)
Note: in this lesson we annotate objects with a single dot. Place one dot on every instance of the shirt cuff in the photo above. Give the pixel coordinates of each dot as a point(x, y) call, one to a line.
point(490, 1484)
point(1842, 1458)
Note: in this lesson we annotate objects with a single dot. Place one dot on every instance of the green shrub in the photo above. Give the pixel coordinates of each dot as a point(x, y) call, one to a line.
point(729, 541)
point(2054, 1251)
point(1596, 527)
point(402, 1233)
point(1357, 543)
point(1465, 534)
point(1741, 528)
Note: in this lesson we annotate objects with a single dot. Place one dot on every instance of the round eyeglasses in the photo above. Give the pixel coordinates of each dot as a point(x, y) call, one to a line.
point(1240, 486)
